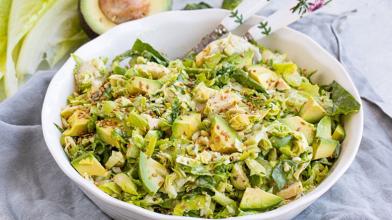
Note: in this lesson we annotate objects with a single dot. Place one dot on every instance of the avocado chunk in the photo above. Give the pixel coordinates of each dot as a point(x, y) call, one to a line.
point(224, 139)
point(151, 69)
point(323, 148)
point(151, 139)
point(137, 121)
point(264, 76)
point(186, 125)
point(291, 191)
point(339, 134)
point(324, 128)
point(202, 93)
point(105, 131)
point(116, 159)
point(312, 111)
point(98, 16)
point(110, 188)
point(239, 122)
point(259, 200)
point(78, 122)
point(87, 164)
point(140, 85)
point(151, 173)
point(125, 183)
point(238, 177)
point(298, 124)
point(244, 79)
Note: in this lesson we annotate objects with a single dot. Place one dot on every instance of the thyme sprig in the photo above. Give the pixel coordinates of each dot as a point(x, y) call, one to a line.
point(265, 28)
point(238, 18)
point(304, 6)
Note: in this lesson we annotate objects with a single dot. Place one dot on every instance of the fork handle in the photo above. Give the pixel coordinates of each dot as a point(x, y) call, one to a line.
point(281, 18)
point(244, 11)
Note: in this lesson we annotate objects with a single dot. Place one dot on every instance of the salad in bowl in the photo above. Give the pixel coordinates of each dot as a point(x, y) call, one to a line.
point(235, 130)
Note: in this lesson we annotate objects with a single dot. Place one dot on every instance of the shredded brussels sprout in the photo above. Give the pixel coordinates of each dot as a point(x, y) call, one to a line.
point(235, 130)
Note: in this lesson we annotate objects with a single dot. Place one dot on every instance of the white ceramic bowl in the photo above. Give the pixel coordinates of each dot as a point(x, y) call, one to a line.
point(175, 33)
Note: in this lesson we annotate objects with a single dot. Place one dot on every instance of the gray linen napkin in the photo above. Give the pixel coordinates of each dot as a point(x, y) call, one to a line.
point(33, 187)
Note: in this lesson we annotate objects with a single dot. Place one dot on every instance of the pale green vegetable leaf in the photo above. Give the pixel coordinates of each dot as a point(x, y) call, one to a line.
point(24, 15)
point(5, 6)
point(65, 34)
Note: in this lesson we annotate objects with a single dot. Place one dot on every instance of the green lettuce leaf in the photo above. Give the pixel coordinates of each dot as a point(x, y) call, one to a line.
point(197, 6)
point(343, 102)
point(57, 33)
point(5, 6)
point(24, 15)
point(145, 50)
point(230, 4)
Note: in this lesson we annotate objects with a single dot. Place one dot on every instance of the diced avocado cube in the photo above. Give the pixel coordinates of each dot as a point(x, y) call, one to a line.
point(266, 77)
point(238, 177)
point(105, 131)
point(87, 164)
point(202, 93)
point(151, 139)
point(110, 188)
point(339, 134)
point(125, 183)
point(152, 69)
point(244, 79)
point(239, 122)
point(68, 111)
point(186, 125)
point(137, 121)
point(298, 124)
point(151, 173)
point(259, 200)
point(78, 122)
point(312, 111)
point(323, 148)
point(115, 159)
point(224, 139)
point(140, 85)
point(291, 191)
point(324, 128)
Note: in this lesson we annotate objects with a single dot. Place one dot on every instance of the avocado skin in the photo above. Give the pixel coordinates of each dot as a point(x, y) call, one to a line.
point(90, 32)
point(86, 28)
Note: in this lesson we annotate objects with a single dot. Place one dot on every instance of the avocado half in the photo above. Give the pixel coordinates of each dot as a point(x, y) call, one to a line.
point(98, 16)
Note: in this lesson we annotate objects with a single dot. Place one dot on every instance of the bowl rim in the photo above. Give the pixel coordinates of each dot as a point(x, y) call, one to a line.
point(326, 184)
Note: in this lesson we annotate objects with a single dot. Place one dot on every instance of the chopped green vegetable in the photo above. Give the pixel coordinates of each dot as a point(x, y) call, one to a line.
point(217, 135)
point(230, 4)
point(197, 6)
point(343, 102)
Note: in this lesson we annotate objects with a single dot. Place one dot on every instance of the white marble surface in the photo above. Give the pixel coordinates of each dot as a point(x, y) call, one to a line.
point(366, 36)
